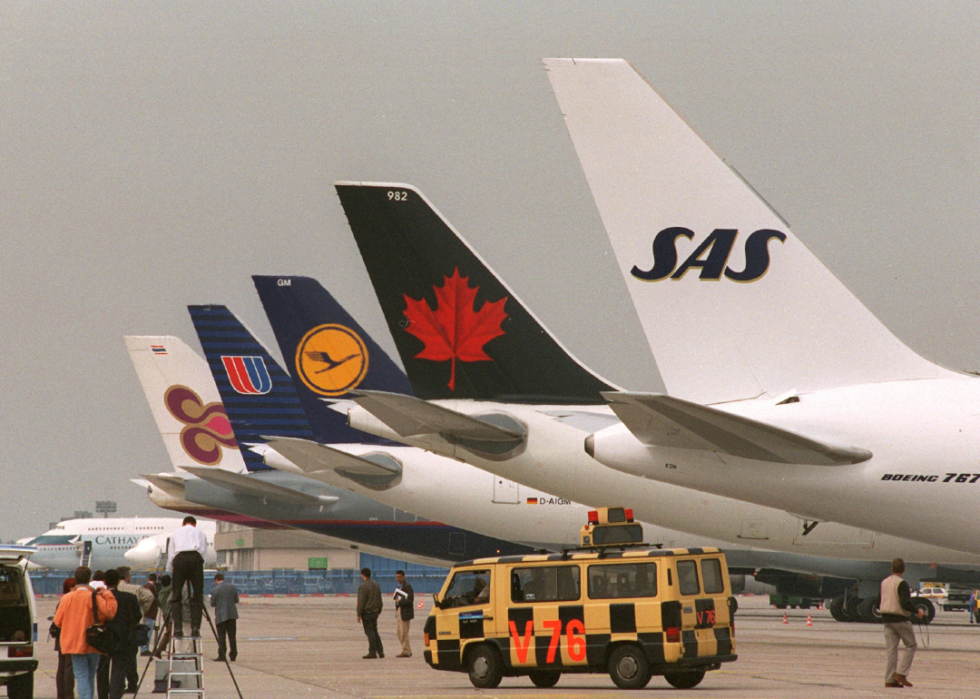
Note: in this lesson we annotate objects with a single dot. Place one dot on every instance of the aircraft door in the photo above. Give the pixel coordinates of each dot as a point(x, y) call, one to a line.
point(505, 492)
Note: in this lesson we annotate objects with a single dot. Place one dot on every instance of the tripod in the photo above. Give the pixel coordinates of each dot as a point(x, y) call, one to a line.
point(167, 624)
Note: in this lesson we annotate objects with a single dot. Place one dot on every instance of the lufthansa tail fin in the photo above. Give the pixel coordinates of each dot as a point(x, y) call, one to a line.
point(328, 353)
point(732, 303)
point(460, 332)
point(185, 403)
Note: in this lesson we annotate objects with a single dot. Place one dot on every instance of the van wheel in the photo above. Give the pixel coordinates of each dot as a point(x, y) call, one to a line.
point(628, 667)
point(544, 678)
point(686, 679)
point(485, 667)
point(21, 687)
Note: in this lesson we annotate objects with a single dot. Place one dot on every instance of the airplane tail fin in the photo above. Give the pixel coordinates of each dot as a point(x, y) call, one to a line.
point(732, 303)
point(328, 352)
point(185, 403)
point(460, 332)
point(258, 394)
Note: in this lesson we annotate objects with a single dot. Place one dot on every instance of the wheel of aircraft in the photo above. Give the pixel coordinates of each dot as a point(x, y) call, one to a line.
point(868, 611)
point(925, 604)
point(851, 608)
point(837, 608)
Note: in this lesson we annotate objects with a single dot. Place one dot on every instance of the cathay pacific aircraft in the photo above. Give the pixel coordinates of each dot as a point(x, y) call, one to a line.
point(101, 543)
point(495, 389)
point(782, 388)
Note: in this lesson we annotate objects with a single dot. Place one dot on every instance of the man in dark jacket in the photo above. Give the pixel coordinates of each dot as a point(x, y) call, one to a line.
point(404, 612)
point(368, 610)
point(224, 599)
point(114, 668)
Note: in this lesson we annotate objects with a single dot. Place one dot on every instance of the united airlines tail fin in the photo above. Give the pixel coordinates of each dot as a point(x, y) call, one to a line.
point(261, 398)
point(460, 331)
point(185, 403)
point(734, 306)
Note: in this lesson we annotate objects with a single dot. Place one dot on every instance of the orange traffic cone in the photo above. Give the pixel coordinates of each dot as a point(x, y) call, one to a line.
point(785, 618)
point(809, 621)
point(820, 606)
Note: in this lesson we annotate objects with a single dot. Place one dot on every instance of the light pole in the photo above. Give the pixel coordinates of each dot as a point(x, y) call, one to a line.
point(105, 507)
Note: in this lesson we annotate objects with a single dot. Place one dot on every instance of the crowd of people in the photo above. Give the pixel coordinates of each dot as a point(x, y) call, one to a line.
point(131, 613)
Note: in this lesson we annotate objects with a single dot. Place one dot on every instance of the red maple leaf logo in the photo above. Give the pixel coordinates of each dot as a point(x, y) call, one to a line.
point(455, 329)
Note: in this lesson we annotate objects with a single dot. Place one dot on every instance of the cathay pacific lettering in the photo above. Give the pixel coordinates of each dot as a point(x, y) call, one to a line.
point(711, 256)
point(118, 540)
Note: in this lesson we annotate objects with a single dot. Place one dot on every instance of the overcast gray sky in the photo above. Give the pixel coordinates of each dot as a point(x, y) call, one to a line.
point(156, 154)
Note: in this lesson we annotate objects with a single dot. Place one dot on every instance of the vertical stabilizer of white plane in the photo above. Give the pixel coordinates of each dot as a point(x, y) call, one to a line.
point(734, 306)
point(185, 403)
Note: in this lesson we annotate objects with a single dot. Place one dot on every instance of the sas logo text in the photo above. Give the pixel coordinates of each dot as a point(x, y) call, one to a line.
point(710, 257)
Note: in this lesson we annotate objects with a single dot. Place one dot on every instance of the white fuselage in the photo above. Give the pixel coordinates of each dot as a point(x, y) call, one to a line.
point(62, 547)
point(555, 459)
point(151, 552)
point(922, 481)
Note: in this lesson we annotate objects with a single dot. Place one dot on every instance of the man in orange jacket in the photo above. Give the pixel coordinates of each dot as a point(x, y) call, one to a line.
point(73, 617)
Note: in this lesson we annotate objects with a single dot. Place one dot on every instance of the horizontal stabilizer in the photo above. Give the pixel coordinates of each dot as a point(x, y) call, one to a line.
point(171, 484)
point(313, 457)
point(409, 417)
point(661, 420)
point(237, 482)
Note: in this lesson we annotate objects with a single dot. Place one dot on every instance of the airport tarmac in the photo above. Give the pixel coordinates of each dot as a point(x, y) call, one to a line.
point(296, 647)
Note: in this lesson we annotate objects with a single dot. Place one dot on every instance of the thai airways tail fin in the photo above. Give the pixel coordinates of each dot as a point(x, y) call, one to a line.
point(185, 403)
point(459, 330)
point(734, 306)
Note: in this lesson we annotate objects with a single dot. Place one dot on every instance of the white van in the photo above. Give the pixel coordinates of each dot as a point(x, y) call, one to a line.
point(18, 623)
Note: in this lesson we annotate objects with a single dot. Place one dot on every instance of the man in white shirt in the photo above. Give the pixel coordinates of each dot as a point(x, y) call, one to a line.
point(186, 553)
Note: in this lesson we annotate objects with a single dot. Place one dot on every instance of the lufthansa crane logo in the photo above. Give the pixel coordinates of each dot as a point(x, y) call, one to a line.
point(331, 359)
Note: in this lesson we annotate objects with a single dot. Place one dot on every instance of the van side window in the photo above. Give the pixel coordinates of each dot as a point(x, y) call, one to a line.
point(468, 588)
point(545, 584)
point(622, 581)
point(687, 577)
point(711, 575)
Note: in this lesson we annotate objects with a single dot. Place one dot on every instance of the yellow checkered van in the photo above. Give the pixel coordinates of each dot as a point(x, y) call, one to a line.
point(633, 612)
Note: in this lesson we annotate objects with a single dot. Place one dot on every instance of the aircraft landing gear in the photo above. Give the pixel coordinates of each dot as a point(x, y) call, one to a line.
point(868, 611)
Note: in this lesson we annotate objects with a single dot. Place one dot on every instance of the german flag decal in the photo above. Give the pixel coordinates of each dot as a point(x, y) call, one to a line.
point(532, 501)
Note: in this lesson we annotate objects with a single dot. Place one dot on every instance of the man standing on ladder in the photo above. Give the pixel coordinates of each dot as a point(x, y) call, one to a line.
point(186, 553)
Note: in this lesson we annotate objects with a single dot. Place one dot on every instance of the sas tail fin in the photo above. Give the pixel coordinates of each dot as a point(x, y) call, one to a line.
point(460, 332)
point(732, 303)
point(185, 403)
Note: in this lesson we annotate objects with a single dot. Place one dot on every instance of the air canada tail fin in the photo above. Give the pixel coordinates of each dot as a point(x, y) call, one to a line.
point(460, 332)
point(185, 403)
point(732, 303)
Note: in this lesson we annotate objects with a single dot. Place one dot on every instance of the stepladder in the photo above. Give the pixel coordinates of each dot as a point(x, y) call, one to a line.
point(185, 670)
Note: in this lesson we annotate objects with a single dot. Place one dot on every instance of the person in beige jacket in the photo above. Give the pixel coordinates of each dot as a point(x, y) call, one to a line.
point(896, 611)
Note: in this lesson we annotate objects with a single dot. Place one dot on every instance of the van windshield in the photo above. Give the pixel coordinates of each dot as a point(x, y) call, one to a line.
point(467, 588)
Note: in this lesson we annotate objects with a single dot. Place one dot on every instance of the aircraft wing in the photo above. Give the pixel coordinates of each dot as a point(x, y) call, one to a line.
point(662, 420)
point(313, 457)
point(255, 487)
point(410, 416)
point(171, 484)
